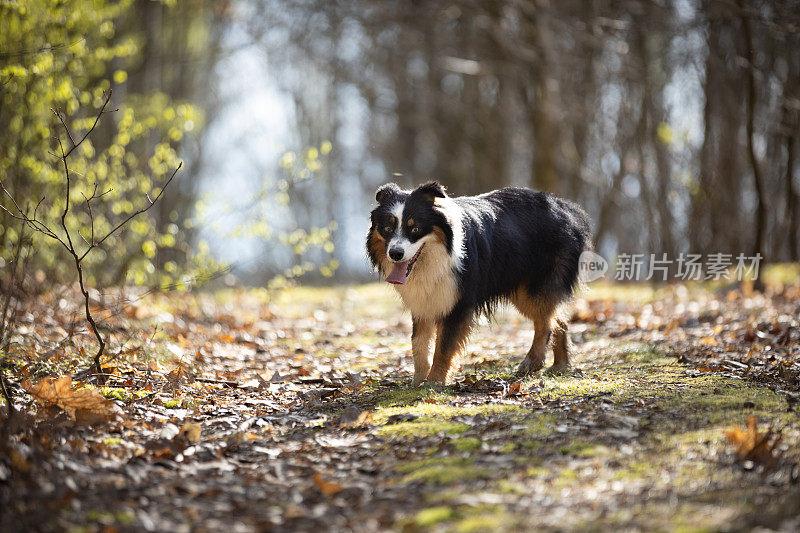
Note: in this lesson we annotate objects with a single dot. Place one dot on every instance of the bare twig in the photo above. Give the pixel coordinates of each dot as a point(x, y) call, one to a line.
point(13, 285)
point(135, 213)
point(6, 395)
point(12, 289)
point(46, 48)
point(88, 132)
point(67, 241)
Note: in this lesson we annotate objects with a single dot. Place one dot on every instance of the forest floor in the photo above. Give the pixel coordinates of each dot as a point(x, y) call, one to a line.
point(238, 411)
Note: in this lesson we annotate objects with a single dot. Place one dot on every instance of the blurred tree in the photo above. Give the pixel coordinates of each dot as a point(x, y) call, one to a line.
point(63, 56)
point(675, 123)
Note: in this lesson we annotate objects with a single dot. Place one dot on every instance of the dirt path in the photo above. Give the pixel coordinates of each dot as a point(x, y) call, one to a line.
point(318, 428)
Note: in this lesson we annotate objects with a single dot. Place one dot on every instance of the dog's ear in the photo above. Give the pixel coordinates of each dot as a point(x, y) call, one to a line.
point(431, 191)
point(384, 191)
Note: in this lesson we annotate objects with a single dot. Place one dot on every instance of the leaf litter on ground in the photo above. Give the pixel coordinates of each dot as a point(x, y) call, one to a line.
point(283, 415)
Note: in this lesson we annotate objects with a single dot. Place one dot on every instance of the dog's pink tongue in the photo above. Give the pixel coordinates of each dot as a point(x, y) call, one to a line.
point(398, 273)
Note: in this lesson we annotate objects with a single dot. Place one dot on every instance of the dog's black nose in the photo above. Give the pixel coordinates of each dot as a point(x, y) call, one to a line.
point(396, 254)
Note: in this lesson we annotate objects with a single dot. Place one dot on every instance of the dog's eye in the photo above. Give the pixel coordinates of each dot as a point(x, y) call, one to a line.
point(387, 229)
point(415, 230)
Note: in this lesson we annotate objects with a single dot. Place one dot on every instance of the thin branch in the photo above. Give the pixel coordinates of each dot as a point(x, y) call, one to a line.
point(35, 209)
point(11, 303)
point(6, 394)
point(91, 215)
point(32, 222)
point(66, 128)
point(10, 198)
point(138, 212)
point(46, 48)
point(67, 242)
point(90, 130)
point(71, 248)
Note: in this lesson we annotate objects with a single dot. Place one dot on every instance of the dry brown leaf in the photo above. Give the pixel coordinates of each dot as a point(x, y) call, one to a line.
point(191, 431)
point(328, 488)
point(515, 388)
point(353, 417)
point(18, 462)
point(85, 406)
point(753, 446)
point(708, 341)
point(179, 375)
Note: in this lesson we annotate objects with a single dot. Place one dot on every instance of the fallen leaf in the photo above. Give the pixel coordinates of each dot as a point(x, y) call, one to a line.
point(515, 388)
point(254, 383)
point(401, 417)
point(85, 406)
point(354, 417)
point(708, 341)
point(191, 431)
point(750, 445)
point(179, 376)
point(328, 488)
point(18, 462)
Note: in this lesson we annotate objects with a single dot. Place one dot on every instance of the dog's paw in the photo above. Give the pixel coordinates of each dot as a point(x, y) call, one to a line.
point(434, 386)
point(419, 379)
point(563, 370)
point(528, 366)
point(439, 377)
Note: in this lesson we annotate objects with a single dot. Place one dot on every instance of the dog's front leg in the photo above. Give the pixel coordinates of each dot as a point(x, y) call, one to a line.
point(421, 340)
point(450, 341)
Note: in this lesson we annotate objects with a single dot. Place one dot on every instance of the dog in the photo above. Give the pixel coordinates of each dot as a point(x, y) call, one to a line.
point(453, 259)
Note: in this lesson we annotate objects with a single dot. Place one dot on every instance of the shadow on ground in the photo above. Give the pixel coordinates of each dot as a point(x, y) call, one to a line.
point(306, 420)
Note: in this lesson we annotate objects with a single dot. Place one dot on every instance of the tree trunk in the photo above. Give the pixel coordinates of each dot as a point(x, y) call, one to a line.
point(792, 217)
point(758, 183)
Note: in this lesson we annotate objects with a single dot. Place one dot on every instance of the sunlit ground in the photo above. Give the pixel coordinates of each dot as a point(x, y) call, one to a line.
point(308, 419)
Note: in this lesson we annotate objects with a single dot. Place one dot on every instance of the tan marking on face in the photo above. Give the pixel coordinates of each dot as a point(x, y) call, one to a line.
point(439, 234)
point(377, 246)
point(410, 222)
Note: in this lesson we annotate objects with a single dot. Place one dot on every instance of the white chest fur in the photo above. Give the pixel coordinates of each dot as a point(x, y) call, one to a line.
point(432, 287)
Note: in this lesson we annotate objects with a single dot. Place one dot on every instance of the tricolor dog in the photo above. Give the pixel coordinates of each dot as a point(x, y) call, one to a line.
point(452, 259)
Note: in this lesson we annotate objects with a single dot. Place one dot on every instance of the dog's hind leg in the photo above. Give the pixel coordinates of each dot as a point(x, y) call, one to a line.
point(541, 312)
point(421, 340)
point(561, 349)
point(451, 339)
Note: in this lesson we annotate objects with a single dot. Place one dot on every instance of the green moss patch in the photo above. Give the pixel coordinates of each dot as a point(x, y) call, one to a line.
point(442, 470)
point(467, 444)
point(581, 448)
point(422, 427)
point(433, 515)
point(125, 395)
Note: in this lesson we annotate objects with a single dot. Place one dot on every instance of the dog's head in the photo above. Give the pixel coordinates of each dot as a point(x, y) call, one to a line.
point(404, 224)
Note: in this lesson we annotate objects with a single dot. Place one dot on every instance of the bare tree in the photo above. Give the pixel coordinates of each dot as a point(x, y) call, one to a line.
point(64, 237)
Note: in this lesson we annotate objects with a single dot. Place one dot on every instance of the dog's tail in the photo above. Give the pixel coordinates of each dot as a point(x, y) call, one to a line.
point(580, 241)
